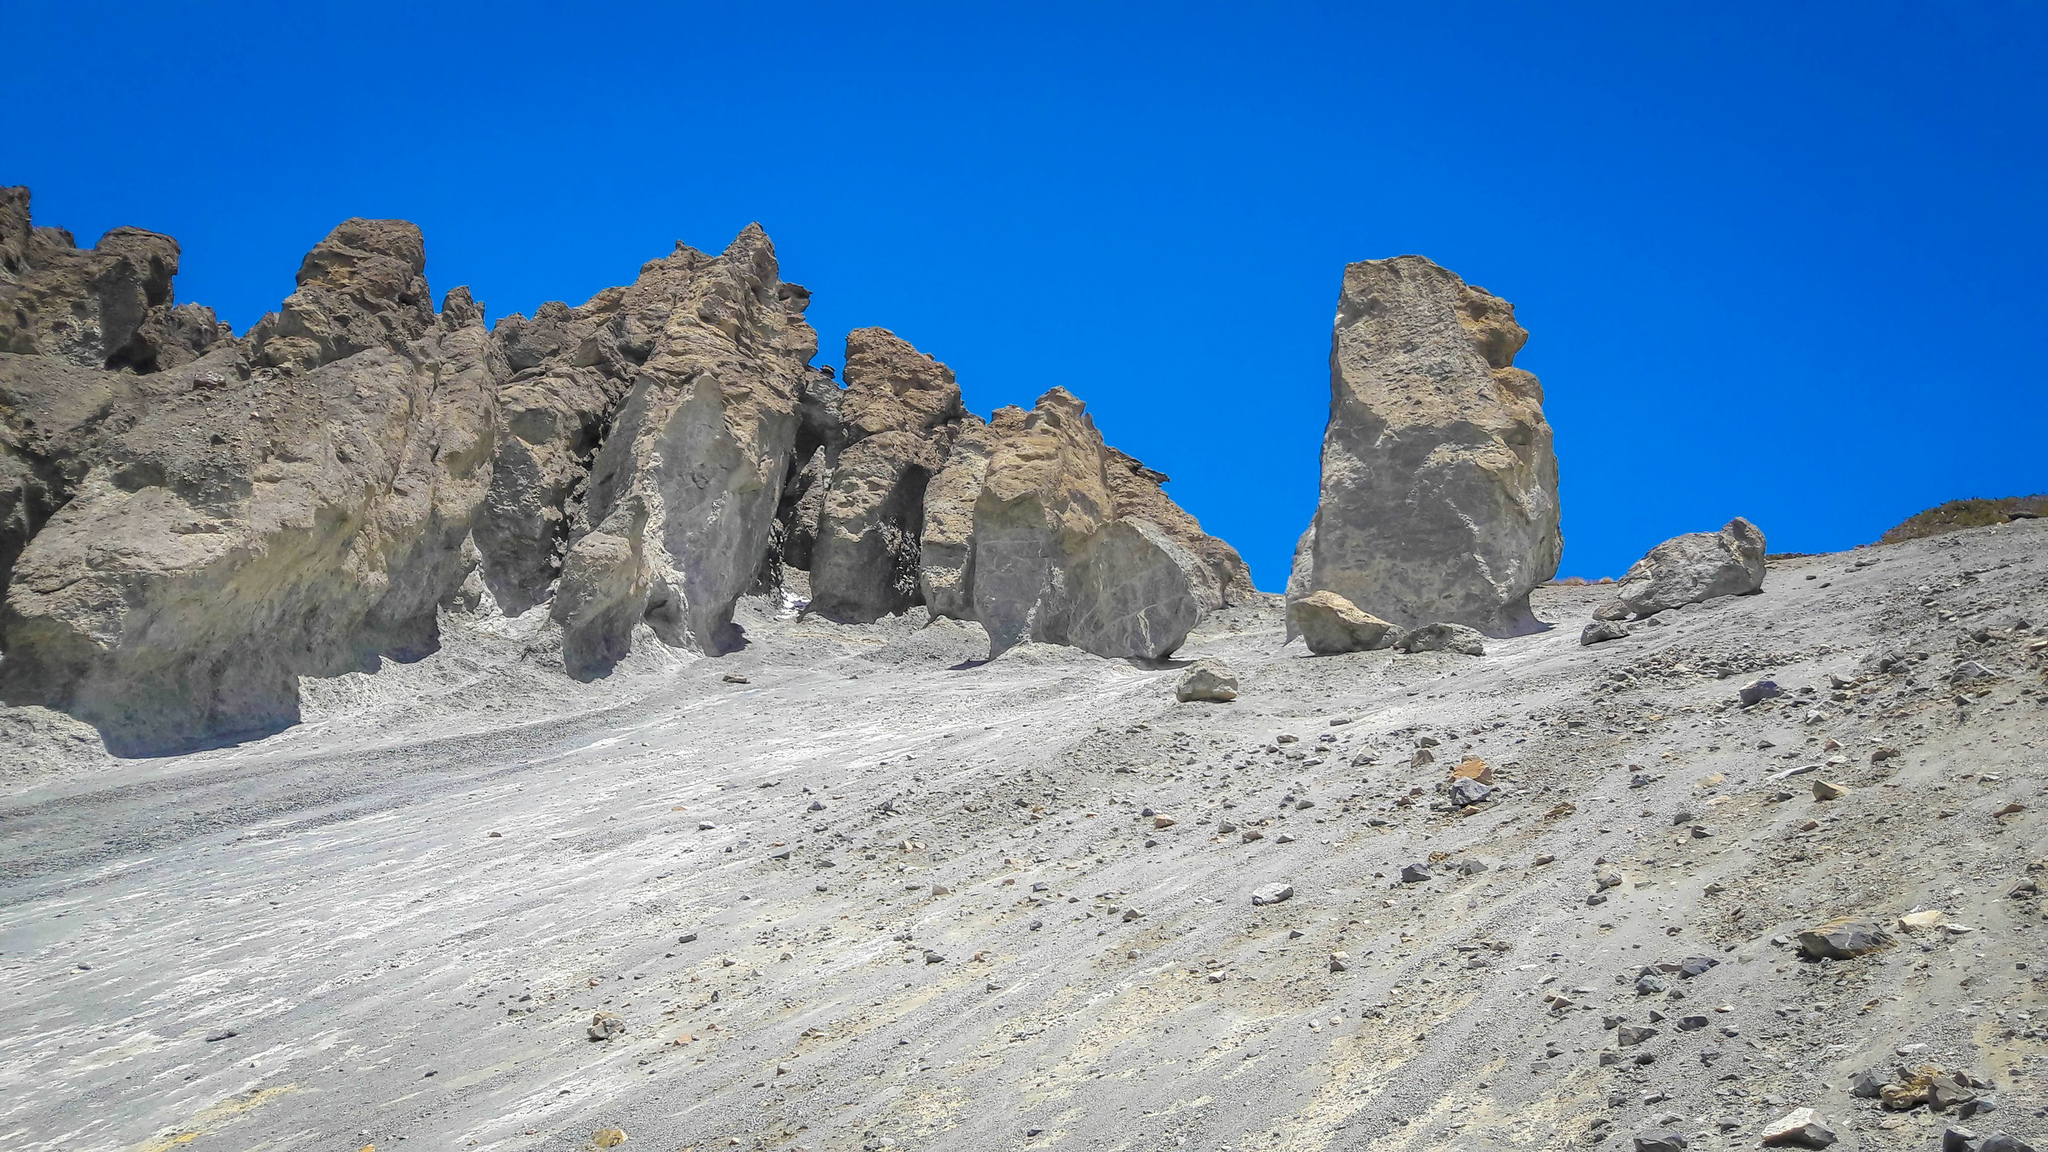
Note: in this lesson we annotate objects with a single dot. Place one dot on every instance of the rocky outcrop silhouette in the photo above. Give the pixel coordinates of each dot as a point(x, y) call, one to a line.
point(192, 521)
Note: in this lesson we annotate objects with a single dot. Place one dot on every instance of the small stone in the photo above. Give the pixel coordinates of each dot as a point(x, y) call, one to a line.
point(1828, 790)
point(1801, 1127)
point(1468, 792)
point(1338, 961)
point(1757, 691)
point(735, 678)
point(1842, 940)
point(1660, 1140)
point(1272, 893)
point(1162, 821)
point(606, 1025)
point(1630, 1035)
point(220, 1034)
point(1415, 874)
point(1601, 631)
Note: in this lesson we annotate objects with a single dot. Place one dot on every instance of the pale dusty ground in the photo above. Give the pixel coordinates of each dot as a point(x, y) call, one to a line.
point(396, 974)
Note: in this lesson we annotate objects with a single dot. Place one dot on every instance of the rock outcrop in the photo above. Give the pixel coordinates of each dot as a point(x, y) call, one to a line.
point(1439, 485)
point(190, 522)
point(946, 546)
point(293, 504)
point(900, 410)
point(1690, 568)
point(109, 306)
point(683, 493)
point(1054, 563)
point(1027, 524)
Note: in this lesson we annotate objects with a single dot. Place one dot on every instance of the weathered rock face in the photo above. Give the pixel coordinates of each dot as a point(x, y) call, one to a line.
point(892, 387)
point(946, 546)
point(50, 412)
point(692, 472)
point(363, 287)
point(1054, 563)
point(865, 564)
point(1439, 489)
point(1330, 624)
point(109, 306)
point(1691, 568)
point(572, 370)
point(246, 518)
point(901, 409)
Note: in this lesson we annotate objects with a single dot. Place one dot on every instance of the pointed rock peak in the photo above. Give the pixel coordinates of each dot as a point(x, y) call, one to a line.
point(460, 309)
point(1058, 406)
point(752, 244)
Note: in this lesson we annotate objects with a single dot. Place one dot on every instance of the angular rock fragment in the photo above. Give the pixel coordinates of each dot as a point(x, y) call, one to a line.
point(1601, 631)
point(1799, 1128)
point(1842, 940)
point(1757, 691)
point(1272, 893)
point(1330, 624)
point(1207, 680)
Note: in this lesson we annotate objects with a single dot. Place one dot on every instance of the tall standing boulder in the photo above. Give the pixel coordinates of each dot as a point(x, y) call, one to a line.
point(294, 504)
point(1439, 486)
point(684, 491)
point(1690, 568)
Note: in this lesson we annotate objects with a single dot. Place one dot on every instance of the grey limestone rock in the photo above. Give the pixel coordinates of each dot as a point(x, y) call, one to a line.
point(690, 477)
point(248, 519)
point(1691, 568)
point(1439, 483)
point(1207, 680)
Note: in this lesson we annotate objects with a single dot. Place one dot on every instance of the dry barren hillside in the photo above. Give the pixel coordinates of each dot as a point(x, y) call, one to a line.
point(852, 887)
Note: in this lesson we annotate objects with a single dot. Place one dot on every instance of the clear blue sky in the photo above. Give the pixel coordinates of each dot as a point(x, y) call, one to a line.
point(1783, 261)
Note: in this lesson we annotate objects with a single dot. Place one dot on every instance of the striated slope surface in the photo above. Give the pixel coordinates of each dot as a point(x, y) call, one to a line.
point(871, 899)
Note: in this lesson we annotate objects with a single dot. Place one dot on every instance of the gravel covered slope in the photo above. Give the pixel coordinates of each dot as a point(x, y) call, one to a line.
point(882, 895)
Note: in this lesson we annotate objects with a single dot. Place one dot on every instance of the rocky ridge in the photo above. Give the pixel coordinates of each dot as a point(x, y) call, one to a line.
point(191, 521)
